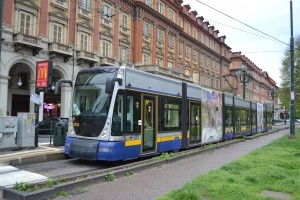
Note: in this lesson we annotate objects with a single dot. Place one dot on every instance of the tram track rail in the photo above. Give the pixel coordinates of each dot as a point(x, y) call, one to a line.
point(98, 173)
point(76, 168)
point(94, 168)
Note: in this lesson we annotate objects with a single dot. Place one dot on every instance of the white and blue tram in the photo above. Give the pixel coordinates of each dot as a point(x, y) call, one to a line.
point(119, 113)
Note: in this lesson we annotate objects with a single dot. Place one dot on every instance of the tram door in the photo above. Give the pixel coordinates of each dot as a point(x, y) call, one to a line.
point(195, 122)
point(238, 122)
point(149, 124)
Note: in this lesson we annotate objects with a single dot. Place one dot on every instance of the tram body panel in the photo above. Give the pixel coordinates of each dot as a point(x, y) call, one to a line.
point(228, 116)
point(253, 118)
point(119, 113)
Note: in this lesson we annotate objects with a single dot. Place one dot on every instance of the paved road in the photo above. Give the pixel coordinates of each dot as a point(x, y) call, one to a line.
point(152, 183)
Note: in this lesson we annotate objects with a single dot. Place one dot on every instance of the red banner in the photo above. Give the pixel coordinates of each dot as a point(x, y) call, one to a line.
point(42, 74)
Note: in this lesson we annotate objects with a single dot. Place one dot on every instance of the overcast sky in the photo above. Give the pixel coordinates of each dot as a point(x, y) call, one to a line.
point(271, 17)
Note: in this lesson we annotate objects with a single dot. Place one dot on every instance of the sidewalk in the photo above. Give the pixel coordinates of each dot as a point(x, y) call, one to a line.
point(154, 182)
point(9, 175)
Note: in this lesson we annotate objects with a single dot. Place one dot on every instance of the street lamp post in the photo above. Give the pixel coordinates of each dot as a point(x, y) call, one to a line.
point(271, 93)
point(244, 75)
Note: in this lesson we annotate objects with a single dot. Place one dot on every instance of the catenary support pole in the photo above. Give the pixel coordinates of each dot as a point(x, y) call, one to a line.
point(1, 20)
point(292, 104)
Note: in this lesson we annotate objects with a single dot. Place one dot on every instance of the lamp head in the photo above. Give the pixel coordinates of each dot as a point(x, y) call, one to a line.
point(19, 82)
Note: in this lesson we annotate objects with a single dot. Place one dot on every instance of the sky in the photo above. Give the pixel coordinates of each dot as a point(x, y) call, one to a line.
point(269, 19)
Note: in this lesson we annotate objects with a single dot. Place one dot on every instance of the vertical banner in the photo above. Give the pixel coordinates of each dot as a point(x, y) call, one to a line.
point(42, 83)
point(43, 76)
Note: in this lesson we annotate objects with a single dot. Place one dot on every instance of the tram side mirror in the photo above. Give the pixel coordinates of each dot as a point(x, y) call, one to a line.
point(57, 89)
point(110, 83)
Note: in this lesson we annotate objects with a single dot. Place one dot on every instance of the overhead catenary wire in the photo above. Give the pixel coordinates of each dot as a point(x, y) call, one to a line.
point(249, 26)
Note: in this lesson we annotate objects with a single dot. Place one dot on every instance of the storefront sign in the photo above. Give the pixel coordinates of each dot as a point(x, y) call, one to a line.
point(43, 75)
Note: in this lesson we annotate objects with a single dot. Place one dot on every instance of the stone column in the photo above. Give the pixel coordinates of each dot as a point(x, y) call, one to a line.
point(41, 108)
point(66, 95)
point(4, 93)
point(31, 90)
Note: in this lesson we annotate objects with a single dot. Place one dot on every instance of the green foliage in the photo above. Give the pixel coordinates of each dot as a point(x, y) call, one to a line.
point(63, 193)
point(182, 194)
point(164, 156)
point(285, 76)
point(129, 173)
point(110, 176)
point(274, 167)
point(23, 186)
point(49, 183)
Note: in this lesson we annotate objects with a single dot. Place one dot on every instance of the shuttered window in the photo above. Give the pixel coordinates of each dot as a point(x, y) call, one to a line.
point(106, 48)
point(57, 33)
point(25, 23)
point(84, 41)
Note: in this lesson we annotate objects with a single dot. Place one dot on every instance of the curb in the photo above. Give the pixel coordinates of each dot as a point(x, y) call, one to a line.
point(38, 158)
point(76, 183)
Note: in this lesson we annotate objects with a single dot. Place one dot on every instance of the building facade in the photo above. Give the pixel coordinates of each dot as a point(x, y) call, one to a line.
point(158, 36)
point(258, 85)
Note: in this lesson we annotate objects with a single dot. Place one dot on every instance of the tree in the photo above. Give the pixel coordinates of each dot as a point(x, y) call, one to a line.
point(285, 76)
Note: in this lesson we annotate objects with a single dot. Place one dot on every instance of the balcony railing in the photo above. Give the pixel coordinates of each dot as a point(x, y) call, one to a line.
point(58, 49)
point(27, 41)
point(87, 56)
point(108, 61)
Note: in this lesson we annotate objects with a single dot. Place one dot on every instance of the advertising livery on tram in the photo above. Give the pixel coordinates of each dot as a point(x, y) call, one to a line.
point(120, 113)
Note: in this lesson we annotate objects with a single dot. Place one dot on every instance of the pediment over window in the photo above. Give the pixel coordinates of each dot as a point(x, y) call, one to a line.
point(170, 56)
point(85, 26)
point(159, 51)
point(124, 40)
point(56, 15)
point(27, 5)
point(147, 48)
point(107, 33)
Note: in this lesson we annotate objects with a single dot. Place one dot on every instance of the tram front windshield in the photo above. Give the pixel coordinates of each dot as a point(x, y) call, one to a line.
point(90, 102)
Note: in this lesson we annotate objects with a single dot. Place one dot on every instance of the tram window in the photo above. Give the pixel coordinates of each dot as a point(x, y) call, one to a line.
point(254, 120)
point(126, 114)
point(228, 116)
point(117, 121)
point(133, 109)
point(129, 112)
point(169, 114)
point(85, 100)
point(244, 116)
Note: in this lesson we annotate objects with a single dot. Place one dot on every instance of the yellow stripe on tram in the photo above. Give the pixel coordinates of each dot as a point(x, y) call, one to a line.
point(133, 142)
point(168, 138)
point(243, 128)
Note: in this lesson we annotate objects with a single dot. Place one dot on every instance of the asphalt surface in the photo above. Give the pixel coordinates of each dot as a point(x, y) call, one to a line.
point(154, 182)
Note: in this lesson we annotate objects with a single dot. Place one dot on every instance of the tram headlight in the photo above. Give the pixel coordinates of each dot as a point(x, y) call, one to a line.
point(106, 130)
point(71, 128)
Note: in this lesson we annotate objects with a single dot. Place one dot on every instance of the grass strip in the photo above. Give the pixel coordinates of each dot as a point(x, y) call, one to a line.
point(273, 168)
